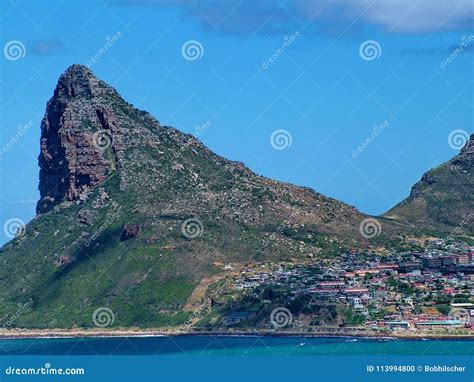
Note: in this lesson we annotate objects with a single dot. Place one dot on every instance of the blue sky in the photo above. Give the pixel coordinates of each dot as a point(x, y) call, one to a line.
point(261, 66)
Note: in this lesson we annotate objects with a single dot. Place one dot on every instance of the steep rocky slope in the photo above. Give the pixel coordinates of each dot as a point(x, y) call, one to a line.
point(133, 215)
point(444, 197)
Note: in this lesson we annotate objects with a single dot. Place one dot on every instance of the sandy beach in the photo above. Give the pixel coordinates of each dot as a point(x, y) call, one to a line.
point(126, 332)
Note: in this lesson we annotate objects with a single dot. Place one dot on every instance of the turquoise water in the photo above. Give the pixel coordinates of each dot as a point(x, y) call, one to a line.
point(228, 345)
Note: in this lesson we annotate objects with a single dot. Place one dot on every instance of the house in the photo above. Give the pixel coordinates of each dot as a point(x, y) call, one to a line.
point(397, 324)
point(357, 303)
point(236, 317)
point(356, 290)
point(439, 324)
point(408, 300)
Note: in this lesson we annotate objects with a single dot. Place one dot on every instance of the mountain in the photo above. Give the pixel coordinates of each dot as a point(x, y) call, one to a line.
point(443, 200)
point(133, 215)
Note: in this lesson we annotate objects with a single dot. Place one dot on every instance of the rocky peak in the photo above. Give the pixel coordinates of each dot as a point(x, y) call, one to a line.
point(76, 81)
point(80, 138)
point(468, 150)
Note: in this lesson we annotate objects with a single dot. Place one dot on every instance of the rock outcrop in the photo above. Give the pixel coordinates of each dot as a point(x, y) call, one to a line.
point(81, 140)
point(130, 231)
point(75, 134)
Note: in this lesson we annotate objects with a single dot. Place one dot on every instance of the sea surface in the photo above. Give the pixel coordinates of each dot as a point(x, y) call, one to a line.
point(235, 345)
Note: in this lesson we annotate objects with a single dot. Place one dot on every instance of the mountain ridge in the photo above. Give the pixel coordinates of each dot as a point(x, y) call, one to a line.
point(133, 215)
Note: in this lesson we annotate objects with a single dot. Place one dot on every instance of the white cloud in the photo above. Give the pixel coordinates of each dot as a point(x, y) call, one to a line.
point(394, 16)
point(402, 16)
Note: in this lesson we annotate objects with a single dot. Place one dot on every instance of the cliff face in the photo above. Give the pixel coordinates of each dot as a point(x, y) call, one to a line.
point(78, 132)
point(444, 197)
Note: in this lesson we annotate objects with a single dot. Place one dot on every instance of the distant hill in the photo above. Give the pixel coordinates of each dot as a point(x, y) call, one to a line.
point(443, 200)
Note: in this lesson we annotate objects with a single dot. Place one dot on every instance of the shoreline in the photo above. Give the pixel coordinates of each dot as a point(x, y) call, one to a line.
point(12, 334)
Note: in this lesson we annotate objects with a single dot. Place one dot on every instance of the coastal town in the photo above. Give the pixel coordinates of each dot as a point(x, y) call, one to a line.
point(413, 291)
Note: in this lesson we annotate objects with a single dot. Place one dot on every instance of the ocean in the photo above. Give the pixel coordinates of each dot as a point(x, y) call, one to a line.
point(235, 345)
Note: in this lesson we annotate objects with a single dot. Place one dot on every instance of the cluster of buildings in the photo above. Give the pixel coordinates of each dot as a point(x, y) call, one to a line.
point(429, 289)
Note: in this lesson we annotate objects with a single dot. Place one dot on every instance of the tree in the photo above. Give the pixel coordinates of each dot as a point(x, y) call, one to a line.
point(443, 309)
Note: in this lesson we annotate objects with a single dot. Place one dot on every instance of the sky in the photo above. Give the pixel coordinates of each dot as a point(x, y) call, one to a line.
point(355, 99)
